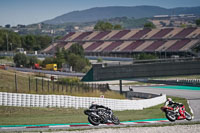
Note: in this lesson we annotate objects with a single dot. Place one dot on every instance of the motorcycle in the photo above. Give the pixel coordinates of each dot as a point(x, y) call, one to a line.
point(101, 116)
point(176, 113)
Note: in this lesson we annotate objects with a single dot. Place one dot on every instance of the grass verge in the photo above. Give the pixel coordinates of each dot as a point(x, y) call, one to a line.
point(7, 84)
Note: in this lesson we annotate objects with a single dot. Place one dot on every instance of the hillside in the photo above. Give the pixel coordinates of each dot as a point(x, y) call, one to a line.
point(99, 13)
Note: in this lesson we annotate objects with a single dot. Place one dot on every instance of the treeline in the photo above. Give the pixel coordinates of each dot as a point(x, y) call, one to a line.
point(11, 41)
point(74, 57)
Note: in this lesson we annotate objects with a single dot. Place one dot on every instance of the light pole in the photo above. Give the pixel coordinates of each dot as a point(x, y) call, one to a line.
point(11, 47)
point(7, 41)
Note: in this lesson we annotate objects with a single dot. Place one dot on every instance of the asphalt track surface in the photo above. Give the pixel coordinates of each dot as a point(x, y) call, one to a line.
point(192, 95)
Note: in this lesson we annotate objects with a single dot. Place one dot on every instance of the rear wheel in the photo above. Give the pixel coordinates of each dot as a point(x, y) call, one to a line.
point(93, 120)
point(188, 116)
point(115, 120)
point(170, 116)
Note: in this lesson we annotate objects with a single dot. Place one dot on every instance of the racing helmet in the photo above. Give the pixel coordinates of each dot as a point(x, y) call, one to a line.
point(169, 99)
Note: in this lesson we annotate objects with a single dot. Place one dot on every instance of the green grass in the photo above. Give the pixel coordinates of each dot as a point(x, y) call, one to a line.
point(28, 116)
point(179, 77)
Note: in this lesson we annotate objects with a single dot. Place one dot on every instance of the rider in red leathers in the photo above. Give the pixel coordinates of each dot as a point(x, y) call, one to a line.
point(176, 106)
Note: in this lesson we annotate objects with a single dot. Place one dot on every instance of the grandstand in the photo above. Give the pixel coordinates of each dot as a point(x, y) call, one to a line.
point(124, 42)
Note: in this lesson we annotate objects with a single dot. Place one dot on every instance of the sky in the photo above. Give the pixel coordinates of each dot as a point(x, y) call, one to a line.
point(15, 12)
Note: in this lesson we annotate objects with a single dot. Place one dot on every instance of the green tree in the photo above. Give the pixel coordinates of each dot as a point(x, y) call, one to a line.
point(149, 25)
point(30, 42)
point(20, 59)
point(48, 60)
point(43, 41)
point(198, 22)
point(103, 26)
point(145, 56)
point(77, 49)
point(117, 27)
point(60, 58)
point(32, 60)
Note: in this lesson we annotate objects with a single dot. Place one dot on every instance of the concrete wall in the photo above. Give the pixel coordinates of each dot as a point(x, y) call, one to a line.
point(145, 70)
point(64, 101)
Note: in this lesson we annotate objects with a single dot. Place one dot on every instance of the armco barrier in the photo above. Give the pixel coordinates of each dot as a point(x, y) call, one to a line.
point(32, 100)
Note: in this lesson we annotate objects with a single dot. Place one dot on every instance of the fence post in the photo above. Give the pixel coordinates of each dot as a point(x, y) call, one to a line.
point(53, 85)
point(42, 84)
point(70, 87)
point(36, 85)
point(16, 82)
point(57, 86)
point(66, 87)
point(48, 85)
point(62, 85)
point(29, 84)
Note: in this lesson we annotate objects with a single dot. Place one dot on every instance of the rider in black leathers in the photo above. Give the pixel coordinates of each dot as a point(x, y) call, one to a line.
point(96, 106)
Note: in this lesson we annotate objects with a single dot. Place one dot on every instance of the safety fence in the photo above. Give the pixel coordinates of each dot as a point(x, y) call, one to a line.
point(19, 83)
point(65, 101)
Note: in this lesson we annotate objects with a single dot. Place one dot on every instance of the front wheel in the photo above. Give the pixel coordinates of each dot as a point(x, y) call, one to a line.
point(188, 116)
point(170, 116)
point(115, 120)
point(93, 120)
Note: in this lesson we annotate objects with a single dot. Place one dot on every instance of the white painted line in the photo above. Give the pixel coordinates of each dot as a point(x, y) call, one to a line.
point(190, 109)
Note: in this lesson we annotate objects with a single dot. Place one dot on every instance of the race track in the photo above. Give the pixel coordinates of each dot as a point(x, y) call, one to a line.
point(192, 95)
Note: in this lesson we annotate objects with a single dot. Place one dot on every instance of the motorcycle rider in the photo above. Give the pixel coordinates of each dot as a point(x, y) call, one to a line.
point(173, 104)
point(95, 106)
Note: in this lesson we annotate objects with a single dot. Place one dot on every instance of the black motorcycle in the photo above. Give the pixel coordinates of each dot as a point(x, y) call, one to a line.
point(101, 116)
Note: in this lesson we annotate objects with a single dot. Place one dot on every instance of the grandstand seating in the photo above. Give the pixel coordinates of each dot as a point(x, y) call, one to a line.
point(100, 35)
point(82, 36)
point(162, 33)
point(184, 32)
point(94, 46)
point(140, 33)
point(132, 46)
point(137, 40)
point(120, 34)
point(68, 35)
point(154, 45)
point(178, 45)
point(112, 46)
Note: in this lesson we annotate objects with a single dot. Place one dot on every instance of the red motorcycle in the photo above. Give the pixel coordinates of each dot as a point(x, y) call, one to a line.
point(177, 112)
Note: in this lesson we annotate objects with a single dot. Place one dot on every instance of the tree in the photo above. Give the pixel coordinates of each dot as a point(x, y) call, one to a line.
point(103, 26)
point(77, 49)
point(117, 27)
point(145, 56)
point(60, 58)
point(149, 25)
point(48, 60)
point(32, 60)
point(198, 22)
point(20, 59)
point(30, 42)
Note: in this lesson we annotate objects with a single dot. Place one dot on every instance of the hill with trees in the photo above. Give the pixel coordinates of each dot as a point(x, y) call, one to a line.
point(99, 13)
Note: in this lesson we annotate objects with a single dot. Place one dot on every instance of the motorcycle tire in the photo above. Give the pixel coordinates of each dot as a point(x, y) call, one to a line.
point(93, 120)
point(188, 116)
point(115, 120)
point(170, 116)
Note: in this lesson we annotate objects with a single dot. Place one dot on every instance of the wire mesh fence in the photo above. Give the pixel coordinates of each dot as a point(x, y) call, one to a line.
point(16, 82)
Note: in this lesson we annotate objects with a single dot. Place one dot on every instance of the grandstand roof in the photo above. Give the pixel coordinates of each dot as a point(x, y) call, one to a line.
point(136, 40)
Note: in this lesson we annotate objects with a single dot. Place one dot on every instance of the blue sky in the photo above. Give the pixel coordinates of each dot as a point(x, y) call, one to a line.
point(32, 11)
